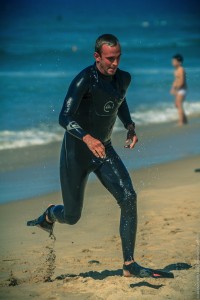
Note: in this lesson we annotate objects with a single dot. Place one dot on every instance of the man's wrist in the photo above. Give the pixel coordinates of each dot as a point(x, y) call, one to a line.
point(131, 126)
point(131, 131)
point(86, 137)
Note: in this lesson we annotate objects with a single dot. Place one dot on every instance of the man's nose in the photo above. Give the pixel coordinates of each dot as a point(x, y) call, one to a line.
point(115, 62)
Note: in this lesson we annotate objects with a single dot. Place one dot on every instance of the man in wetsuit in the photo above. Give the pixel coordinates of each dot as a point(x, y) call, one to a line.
point(96, 97)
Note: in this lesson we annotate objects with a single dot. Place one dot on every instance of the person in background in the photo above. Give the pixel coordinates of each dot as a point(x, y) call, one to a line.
point(179, 87)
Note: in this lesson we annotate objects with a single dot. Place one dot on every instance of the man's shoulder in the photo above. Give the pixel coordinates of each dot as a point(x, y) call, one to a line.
point(181, 70)
point(126, 76)
point(86, 72)
point(124, 73)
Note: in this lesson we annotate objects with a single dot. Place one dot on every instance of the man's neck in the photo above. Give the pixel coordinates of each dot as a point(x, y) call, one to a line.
point(105, 76)
point(178, 67)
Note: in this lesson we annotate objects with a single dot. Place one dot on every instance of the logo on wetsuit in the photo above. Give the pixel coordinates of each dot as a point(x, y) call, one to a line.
point(109, 106)
point(72, 125)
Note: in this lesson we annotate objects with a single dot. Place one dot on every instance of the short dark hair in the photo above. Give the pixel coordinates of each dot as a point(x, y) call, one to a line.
point(108, 39)
point(178, 57)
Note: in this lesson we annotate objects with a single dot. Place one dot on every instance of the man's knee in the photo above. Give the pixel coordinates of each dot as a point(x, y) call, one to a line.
point(72, 220)
point(129, 202)
point(130, 196)
point(58, 214)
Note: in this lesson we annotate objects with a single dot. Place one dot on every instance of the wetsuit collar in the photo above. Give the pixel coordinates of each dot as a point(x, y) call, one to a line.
point(105, 77)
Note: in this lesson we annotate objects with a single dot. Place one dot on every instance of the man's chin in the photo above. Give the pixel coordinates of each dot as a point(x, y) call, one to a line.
point(111, 72)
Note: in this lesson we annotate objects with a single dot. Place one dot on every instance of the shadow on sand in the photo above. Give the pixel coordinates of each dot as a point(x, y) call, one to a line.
point(147, 284)
point(107, 273)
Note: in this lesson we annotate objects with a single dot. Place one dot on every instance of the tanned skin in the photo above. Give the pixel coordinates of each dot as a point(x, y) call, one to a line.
point(179, 83)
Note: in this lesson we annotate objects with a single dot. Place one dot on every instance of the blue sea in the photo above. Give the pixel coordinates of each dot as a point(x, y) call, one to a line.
point(45, 44)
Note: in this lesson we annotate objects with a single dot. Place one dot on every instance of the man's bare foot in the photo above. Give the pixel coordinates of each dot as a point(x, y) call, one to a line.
point(128, 262)
point(133, 269)
point(180, 124)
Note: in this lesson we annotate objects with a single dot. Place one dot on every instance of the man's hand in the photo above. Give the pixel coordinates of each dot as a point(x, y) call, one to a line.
point(95, 146)
point(173, 91)
point(131, 137)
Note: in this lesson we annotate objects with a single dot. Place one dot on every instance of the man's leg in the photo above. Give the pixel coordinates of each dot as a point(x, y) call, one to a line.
point(179, 105)
point(73, 178)
point(114, 176)
point(73, 175)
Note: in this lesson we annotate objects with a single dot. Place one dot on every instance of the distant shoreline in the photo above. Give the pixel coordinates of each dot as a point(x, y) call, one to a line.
point(33, 171)
point(156, 115)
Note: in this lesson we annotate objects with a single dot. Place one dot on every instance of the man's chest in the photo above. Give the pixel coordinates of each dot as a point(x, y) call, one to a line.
point(106, 96)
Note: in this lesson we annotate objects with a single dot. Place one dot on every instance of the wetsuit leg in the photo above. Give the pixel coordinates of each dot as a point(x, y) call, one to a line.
point(114, 176)
point(73, 176)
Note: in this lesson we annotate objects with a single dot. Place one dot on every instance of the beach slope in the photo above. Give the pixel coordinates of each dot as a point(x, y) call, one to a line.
point(85, 261)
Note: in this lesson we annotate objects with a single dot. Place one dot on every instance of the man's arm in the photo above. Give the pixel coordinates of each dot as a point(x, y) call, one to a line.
point(77, 90)
point(125, 117)
point(124, 114)
point(173, 88)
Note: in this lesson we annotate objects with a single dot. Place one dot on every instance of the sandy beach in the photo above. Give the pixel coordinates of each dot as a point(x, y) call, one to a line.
point(85, 261)
point(44, 45)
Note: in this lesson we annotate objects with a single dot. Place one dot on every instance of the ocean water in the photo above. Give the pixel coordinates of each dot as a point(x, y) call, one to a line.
point(41, 53)
point(44, 44)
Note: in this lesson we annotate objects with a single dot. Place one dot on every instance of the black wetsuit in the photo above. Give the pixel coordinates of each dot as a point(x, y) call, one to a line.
point(91, 106)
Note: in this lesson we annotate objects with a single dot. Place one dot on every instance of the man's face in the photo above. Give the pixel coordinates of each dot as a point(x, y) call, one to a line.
point(108, 61)
point(175, 63)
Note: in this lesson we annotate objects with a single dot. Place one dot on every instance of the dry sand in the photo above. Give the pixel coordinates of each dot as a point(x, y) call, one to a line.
point(36, 267)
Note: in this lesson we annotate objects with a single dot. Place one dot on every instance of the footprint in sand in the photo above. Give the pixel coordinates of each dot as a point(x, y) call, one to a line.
point(143, 243)
point(168, 219)
point(176, 230)
point(93, 262)
point(167, 224)
point(86, 250)
point(13, 281)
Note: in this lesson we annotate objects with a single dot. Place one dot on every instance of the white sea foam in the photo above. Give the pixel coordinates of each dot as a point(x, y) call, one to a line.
point(24, 138)
point(142, 116)
point(163, 113)
point(160, 114)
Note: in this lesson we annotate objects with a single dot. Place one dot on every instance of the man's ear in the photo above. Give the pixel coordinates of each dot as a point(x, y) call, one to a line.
point(97, 56)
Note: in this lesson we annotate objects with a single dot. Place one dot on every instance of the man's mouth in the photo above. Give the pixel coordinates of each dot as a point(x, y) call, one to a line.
point(112, 69)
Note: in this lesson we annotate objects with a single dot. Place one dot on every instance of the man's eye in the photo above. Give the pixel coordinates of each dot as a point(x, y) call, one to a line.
point(111, 59)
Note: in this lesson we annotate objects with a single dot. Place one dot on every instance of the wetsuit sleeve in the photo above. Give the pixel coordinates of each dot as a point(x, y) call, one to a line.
point(124, 114)
point(77, 90)
point(123, 111)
